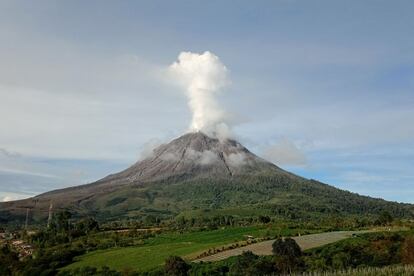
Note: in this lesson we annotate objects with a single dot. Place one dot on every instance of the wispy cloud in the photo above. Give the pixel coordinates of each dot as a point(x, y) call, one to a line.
point(284, 152)
point(16, 171)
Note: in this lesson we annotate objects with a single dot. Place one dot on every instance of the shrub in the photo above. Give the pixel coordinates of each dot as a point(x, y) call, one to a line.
point(407, 250)
point(176, 266)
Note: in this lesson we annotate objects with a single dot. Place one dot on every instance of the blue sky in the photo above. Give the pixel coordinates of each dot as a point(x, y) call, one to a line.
point(329, 85)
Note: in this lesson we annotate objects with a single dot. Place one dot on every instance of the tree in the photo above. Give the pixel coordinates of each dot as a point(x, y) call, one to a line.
point(264, 219)
point(90, 271)
point(286, 247)
point(150, 220)
point(243, 263)
point(9, 261)
point(287, 254)
point(87, 225)
point(63, 221)
point(384, 218)
point(261, 267)
point(176, 266)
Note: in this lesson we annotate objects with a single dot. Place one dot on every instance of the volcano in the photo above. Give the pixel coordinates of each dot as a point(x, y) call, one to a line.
point(198, 174)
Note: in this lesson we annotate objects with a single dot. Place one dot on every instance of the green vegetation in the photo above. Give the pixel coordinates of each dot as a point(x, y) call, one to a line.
point(72, 246)
point(155, 250)
point(265, 247)
point(197, 199)
point(364, 249)
point(375, 249)
point(348, 257)
point(249, 264)
point(9, 260)
point(401, 270)
point(273, 195)
point(155, 220)
point(91, 271)
point(136, 253)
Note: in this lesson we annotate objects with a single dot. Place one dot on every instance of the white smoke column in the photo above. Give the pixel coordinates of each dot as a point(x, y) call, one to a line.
point(203, 76)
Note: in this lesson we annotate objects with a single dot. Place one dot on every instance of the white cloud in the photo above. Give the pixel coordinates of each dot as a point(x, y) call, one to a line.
point(285, 152)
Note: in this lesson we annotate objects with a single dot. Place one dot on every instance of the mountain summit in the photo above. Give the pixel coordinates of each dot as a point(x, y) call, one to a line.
point(197, 174)
point(194, 155)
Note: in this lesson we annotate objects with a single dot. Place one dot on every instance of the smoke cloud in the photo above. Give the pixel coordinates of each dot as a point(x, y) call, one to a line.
point(147, 149)
point(285, 152)
point(206, 157)
point(169, 157)
point(236, 159)
point(203, 77)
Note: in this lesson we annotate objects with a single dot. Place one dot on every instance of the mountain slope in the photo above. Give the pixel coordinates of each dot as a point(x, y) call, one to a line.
point(195, 175)
point(194, 154)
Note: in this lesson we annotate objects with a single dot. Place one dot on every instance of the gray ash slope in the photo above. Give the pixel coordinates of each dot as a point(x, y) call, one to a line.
point(195, 154)
point(197, 172)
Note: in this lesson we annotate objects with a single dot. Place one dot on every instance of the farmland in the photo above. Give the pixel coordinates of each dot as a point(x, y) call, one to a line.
point(155, 250)
point(153, 253)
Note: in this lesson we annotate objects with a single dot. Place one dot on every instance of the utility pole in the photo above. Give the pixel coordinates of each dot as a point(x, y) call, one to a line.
point(27, 218)
point(49, 219)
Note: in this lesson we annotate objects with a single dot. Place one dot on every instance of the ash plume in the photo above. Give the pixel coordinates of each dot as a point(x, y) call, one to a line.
point(203, 76)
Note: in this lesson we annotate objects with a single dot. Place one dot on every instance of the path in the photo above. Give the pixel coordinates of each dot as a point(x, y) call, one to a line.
point(265, 247)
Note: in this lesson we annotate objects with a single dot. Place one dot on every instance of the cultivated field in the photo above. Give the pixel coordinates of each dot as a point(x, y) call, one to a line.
point(157, 249)
point(265, 247)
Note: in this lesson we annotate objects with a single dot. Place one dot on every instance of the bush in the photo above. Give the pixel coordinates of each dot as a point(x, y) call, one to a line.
point(176, 266)
point(243, 263)
point(407, 250)
point(89, 271)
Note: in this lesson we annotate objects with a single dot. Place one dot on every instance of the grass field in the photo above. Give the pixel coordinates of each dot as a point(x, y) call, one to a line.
point(156, 250)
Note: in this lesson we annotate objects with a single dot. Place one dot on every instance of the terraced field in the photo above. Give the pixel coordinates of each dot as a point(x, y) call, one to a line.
point(265, 247)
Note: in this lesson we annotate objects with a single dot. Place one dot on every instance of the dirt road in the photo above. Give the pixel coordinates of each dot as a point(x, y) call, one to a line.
point(265, 247)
